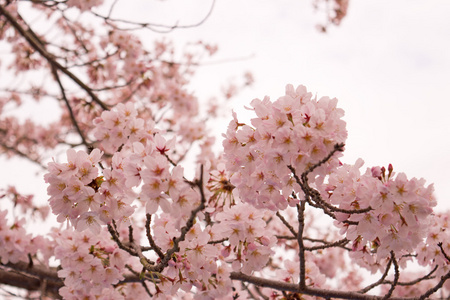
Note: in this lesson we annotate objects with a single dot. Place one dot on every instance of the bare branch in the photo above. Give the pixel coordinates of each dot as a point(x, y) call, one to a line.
point(396, 276)
point(160, 28)
point(381, 280)
point(293, 287)
point(115, 236)
point(301, 247)
point(341, 243)
point(286, 223)
point(443, 252)
point(69, 107)
point(150, 238)
point(436, 287)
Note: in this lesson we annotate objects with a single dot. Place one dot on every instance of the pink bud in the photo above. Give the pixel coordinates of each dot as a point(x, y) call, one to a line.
point(376, 172)
point(265, 241)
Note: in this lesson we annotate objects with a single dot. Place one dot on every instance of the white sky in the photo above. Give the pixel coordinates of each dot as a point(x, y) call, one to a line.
point(388, 64)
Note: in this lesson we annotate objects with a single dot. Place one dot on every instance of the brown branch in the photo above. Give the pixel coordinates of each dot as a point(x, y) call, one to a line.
point(286, 223)
point(381, 280)
point(293, 287)
point(339, 147)
point(426, 277)
point(29, 283)
point(218, 241)
point(22, 276)
point(301, 246)
point(313, 196)
point(150, 238)
point(151, 26)
point(115, 236)
point(341, 243)
point(148, 265)
point(69, 107)
point(443, 252)
point(436, 287)
point(285, 237)
point(396, 276)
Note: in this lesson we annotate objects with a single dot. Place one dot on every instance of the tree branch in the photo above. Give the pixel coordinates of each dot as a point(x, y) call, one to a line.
point(286, 223)
point(380, 281)
point(293, 287)
point(301, 246)
point(151, 26)
point(150, 238)
point(69, 108)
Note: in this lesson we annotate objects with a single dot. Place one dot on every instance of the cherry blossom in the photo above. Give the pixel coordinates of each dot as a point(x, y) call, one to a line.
point(295, 131)
point(150, 208)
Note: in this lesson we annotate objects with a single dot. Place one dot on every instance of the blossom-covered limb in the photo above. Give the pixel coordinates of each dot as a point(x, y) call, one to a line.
point(38, 46)
point(339, 147)
point(186, 227)
point(22, 154)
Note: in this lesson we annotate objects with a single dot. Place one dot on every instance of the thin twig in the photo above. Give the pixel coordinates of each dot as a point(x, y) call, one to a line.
point(150, 238)
point(379, 281)
point(286, 223)
point(396, 277)
point(436, 287)
point(116, 238)
point(151, 26)
point(69, 107)
point(340, 243)
point(443, 252)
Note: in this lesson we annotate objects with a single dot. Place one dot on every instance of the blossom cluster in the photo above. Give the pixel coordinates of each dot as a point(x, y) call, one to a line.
point(380, 213)
point(84, 5)
point(90, 264)
point(88, 199)
point(431, 250)
point(294, 131)
point(120, 126)
point(74, 190)
point(27, 138)
point(394, 212)
point(25, 203)
point(141, 161)
point(197, 264)
point(15, 243)
point(249, 243)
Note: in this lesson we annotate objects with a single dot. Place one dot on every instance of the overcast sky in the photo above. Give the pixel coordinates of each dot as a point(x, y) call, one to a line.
point(388, 64)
